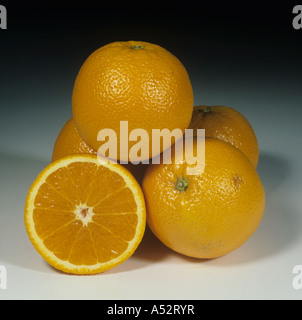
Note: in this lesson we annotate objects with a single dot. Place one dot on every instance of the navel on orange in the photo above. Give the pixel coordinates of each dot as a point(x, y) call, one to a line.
point(133, 81)
point(229, 125)
point(85, 216)
point(206, 215)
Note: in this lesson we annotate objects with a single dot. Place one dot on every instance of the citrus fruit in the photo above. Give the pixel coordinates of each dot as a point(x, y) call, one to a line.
point(69, 142)
point(229, 125)
point(206, 215)
point(137, 170)
point(133, 81)
point(85, 216)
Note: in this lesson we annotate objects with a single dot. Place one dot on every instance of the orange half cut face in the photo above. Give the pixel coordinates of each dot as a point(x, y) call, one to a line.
point(85, 216)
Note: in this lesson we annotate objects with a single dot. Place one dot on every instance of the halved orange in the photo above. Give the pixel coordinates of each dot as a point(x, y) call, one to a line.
point(84, 215)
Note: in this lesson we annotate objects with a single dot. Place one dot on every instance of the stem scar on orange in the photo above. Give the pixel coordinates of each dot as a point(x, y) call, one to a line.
point(133, 81)
point(206, 215)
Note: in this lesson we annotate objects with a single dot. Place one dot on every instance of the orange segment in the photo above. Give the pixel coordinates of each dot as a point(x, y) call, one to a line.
point(126, 204)
point(83, 242)
point(50, 198)
point(81, 175)
point(84, 216)
point(115, 223)
point(99, 191)
point(109, 246)
point(60, 243)
point(47, 221)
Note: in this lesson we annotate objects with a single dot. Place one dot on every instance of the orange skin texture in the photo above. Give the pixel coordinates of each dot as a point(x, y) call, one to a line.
point(69, 142)
point(229, 125)
point(133, 81)
point(217, 213)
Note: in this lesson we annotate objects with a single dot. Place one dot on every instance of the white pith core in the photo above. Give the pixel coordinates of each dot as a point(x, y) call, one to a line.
point(84, 214)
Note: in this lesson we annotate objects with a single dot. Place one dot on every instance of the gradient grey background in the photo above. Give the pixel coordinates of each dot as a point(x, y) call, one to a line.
point(248, 58)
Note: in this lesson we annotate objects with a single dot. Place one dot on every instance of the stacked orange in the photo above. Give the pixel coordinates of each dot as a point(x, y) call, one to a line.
point(86, 215)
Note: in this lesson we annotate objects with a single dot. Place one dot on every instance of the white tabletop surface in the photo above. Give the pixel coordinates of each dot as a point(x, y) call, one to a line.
point(268, 93)
point(261, 268)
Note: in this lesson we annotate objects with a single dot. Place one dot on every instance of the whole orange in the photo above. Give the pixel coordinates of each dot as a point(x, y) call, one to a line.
point(69, 142)
point(206, 215)
point(133, 81)
point(229, 125)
